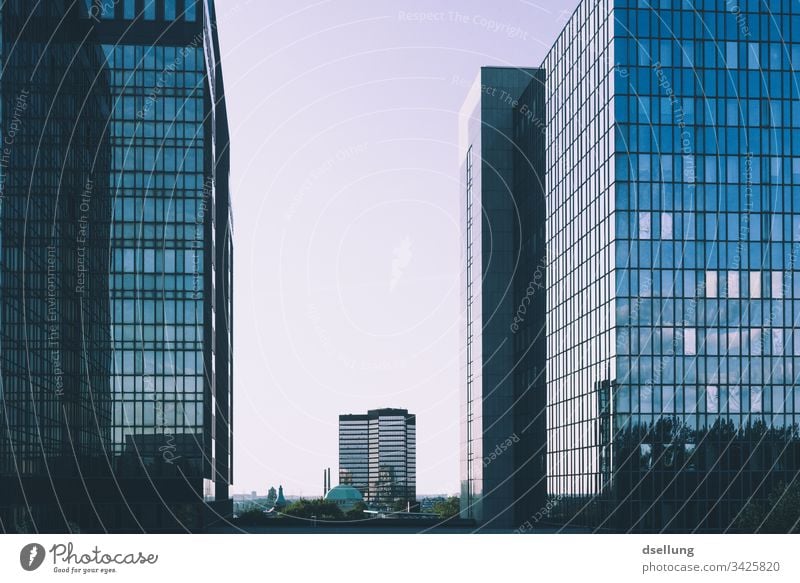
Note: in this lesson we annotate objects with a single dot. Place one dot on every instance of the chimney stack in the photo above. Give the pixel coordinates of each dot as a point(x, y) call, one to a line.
point(326, 480)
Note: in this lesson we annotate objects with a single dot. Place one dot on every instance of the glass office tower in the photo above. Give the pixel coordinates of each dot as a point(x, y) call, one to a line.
point(55, 408)
point(170, 263)
point(354, 451)
point(378, 456)
point(673, 223)
point(501, 148)
point(530, 281)
point(116, 268)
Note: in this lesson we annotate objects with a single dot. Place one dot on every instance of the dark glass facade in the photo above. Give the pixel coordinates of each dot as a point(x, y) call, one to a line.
point(530, 280)
point(378, 456)
point(55, 400)
point(673, 228)
point(502, 171)
point(162, 290)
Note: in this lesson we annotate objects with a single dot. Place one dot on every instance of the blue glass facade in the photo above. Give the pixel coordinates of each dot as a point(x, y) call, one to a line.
point(170, 263)
point(580, 252)
point(673, 229)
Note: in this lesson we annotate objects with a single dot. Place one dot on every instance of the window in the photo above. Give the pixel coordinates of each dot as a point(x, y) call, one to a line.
point(104, 9)
point(777, 342)
point(734, 400)
point(777, 285)
point(733, 284)
point(149, 9)
point(731, 54)
point(690, 341)
point(756, 342)
point(755, 400)
point(644, 225)
point(752, 56)
point(712, 399)
point(666, 225)
point(755, 284)
point(191, 10)
point(711, 284)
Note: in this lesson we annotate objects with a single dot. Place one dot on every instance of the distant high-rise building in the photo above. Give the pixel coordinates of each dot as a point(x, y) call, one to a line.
point(503, 356)
point(377, 455)
point(354, 451)
point(116, 273)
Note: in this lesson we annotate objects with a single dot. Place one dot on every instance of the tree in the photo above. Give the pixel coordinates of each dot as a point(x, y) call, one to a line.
point(357, 513)
point(272, 497)
point(448, 508)
point(318, 508)
point(400, 505)
point(779, 515)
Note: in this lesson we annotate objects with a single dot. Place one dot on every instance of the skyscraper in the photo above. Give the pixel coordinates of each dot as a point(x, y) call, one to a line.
point(670, 155)
point(170, 277)
point(152, 267)
point(673, 201)
point(378, 455)
point(55, 409)
point(502, 400)
point(354, 451)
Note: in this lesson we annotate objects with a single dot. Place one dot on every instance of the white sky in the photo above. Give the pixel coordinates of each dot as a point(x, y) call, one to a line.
point(344, 132)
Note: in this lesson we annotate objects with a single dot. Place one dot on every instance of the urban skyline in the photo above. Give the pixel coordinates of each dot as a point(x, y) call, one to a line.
point(590, 307)
point(347, 218)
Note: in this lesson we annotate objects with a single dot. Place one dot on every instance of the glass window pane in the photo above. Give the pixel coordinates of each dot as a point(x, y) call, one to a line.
point(755, 284)
point(191, 10)
point(644, 225)
point(734, 400)
point(755, 400)
point(711, 284)
point(690, 341)
point(149, 9)
point(666, 225)
point(733, 284)
point(777, 284)
point(712, 399)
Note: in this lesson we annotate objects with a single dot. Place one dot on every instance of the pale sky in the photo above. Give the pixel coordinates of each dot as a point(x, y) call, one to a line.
point(344, 129)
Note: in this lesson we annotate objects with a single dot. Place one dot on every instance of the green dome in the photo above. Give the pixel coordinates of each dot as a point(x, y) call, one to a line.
point(344, 493)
